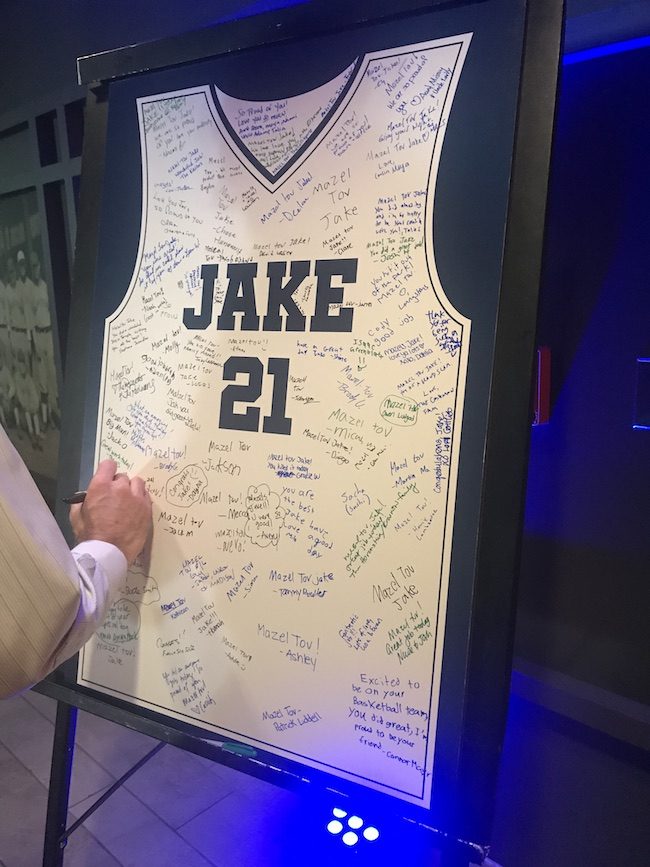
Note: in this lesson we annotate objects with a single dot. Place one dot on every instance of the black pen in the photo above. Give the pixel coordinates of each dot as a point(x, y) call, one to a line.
point(77, 497)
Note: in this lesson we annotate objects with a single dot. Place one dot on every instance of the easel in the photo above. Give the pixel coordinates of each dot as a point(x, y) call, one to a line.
point(56, 831)
point(450, 852)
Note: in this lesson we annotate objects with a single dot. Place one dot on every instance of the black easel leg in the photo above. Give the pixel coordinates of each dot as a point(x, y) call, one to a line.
point(59, 792)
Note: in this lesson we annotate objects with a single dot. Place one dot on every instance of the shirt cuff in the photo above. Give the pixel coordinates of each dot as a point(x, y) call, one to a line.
point(109, 557)
point(102, 569)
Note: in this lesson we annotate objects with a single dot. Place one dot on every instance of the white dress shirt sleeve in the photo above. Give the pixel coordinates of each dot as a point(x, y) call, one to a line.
point(51, 599)
point(102, 570)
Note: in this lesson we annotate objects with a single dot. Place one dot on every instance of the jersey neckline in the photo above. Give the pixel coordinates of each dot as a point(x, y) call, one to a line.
point(248, 158)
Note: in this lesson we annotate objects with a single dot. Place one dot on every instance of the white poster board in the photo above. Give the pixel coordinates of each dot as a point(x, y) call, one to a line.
point(287, 374)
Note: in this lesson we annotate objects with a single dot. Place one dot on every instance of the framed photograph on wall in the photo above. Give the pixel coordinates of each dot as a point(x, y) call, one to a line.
point(29, 390)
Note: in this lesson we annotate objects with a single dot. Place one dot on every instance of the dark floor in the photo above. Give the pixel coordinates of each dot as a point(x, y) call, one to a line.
point(565, 800)
point(569, 797)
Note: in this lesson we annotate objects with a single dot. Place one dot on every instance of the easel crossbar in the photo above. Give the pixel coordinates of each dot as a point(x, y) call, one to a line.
point(111, 790)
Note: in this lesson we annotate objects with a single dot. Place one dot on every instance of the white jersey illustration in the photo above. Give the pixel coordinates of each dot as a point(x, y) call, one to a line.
point(288, 374)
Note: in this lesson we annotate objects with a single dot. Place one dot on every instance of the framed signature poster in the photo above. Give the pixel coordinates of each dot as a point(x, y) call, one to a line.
point(305, 304)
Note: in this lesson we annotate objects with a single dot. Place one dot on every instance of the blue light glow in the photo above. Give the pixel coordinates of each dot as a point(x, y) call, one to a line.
point(257, 7)
point(604, 50)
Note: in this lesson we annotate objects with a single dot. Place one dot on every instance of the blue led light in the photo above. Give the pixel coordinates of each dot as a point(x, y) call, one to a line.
point(641, 412)
point(356, 827)
point(604, 50)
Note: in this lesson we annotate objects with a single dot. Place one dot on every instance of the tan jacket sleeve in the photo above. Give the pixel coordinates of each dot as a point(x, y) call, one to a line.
point(39, 581)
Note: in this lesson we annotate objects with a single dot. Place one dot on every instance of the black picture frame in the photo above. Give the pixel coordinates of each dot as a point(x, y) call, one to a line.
point(481, 617)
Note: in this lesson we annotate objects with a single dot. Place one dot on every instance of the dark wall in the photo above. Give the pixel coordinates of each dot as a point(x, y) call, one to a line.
point(40, 40)
point(584, 594)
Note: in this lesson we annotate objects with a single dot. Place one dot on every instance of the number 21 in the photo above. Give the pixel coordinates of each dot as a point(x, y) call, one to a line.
point(250, 392)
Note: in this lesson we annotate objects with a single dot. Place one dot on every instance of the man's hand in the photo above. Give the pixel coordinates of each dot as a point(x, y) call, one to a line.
point(116, 510)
